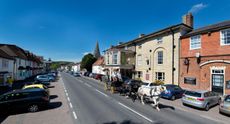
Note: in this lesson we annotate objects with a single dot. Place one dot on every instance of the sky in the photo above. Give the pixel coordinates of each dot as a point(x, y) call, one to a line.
point(68, 29)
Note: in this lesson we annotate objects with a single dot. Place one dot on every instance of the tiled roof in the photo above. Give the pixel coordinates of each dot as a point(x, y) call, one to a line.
point(100, 61)
point(13, 50)
point(209, 28)
point(5, 55)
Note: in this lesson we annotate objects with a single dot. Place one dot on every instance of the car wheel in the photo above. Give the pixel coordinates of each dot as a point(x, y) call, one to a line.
point(33, 108)
point(173, 98)
point(207, 107)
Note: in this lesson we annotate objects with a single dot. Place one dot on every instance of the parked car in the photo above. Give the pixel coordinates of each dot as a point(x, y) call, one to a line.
point(76, 74)
point(31, 99)
point(43, 78)
point(92, 75)
point(41, 86)
point(98, 77)
point(172, 92)
point(87, 74)
point(225, 105)
point(201, 99)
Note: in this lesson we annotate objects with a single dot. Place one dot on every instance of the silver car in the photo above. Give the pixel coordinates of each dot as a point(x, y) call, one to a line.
point(201, 99)
point(225, 105)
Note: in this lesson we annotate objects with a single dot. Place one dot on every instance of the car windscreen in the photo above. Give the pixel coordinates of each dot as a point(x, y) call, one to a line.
point(227, 98)
point(192, 93)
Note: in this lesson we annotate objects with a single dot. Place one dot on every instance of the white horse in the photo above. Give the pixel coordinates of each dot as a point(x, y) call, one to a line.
point(151, 94)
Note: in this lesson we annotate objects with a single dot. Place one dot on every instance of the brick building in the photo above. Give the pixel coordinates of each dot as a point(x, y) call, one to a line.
point(205, 59)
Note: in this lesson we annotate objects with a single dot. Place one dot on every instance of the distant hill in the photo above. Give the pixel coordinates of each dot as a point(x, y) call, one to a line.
point(56, 64)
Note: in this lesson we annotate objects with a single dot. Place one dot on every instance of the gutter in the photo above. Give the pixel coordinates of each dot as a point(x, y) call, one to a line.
point(173, 44)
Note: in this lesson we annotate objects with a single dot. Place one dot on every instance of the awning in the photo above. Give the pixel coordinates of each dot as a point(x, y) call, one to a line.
point(21, 68)
point(28, 68)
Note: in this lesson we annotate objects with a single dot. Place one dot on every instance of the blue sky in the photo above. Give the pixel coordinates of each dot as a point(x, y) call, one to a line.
point(66, 29)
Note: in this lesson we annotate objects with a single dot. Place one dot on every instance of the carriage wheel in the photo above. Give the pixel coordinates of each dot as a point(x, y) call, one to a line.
point(106, 86)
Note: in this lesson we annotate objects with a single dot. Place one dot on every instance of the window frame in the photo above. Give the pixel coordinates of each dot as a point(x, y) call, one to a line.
point(115, 58)
point(139, 60)
point(160, 58)
point(157, 76)
point(190, 44)
point(221, 37)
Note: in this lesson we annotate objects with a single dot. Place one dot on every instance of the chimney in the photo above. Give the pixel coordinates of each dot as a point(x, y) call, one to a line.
point(141, 35)
point(188, 19)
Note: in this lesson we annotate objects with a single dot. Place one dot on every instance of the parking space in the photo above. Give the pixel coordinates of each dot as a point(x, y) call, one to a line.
point(57, 113)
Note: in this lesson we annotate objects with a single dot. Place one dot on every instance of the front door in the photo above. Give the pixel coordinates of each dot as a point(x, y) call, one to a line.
point(218, 81)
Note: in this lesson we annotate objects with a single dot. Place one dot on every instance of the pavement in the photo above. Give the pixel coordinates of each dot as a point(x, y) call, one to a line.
point(58, 113)
point(92, 105)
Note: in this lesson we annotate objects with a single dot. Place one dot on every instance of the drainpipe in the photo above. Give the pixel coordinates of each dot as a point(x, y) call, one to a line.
point(173, 44)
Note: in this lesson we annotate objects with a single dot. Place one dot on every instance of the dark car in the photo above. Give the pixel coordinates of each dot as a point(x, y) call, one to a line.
point(76, 74)
point(172, 92)
point(29, 99)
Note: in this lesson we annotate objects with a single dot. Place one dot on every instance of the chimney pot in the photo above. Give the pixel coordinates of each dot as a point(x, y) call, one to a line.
point(188, 19)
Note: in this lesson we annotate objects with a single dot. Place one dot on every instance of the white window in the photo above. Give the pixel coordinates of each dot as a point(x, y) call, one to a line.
point(195, 42)
point(139, 60)
point(225, 37)
point(107, 58)
point(115, 58)
point(5, 63)
point(160, 76)
point(160, 57)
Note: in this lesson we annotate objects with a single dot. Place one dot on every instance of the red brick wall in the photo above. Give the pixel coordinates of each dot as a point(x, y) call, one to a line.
point(210, 45)
point(202, 74)
point(210, 50)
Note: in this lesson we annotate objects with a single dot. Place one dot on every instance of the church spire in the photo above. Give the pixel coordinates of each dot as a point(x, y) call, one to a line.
point(97, 51)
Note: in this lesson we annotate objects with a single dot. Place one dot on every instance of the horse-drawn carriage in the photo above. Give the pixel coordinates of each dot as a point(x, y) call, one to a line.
point(113, 85)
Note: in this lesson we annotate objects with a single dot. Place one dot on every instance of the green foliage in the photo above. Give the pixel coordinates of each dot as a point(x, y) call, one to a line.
point(57, 64)
point(159, 82)
point(87, 62)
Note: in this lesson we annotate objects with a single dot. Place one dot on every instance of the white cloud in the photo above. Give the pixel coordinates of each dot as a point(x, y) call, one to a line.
point(196, 8)
point(85, 53)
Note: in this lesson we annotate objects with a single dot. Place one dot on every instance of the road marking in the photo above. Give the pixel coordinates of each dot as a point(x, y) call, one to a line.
point(81, 81)
point(74, 114)
point(70, 104)
point(102, 93)
point(87, 85)
point(68, 99)
point(136, 112)
point(66, 94)
point(65, 91)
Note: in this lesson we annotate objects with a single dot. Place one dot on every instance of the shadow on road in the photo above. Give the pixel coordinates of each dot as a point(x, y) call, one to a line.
point(3, 116)
point(162, 106)
point(53, 96)
point(51, 86)
point(124, 122)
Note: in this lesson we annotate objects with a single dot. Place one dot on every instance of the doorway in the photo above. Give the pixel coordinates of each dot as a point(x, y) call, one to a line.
point(218, 81)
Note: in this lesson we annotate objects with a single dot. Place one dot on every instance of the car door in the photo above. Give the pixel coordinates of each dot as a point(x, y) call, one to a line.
point(3, 103)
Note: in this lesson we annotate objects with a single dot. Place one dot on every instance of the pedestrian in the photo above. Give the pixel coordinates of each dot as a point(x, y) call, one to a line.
point(10, 81)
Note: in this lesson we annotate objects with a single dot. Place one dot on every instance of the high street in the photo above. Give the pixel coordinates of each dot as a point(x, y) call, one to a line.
point(92, 105)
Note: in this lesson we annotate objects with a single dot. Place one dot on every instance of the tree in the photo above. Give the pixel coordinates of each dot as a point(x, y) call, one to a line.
point(87, 62)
